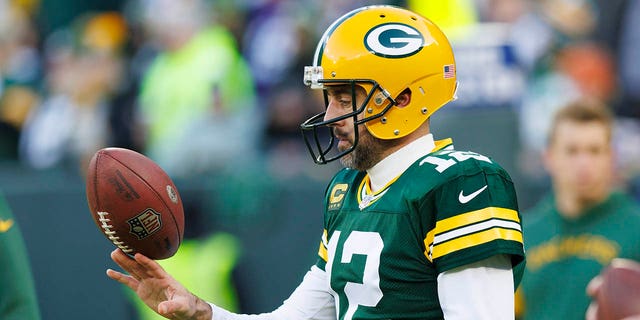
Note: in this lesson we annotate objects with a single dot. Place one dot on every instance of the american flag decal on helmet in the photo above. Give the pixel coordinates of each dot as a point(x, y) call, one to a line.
point(449, 71)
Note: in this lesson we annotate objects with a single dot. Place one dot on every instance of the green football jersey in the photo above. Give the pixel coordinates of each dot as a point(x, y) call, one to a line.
point(383, 251)
point(18, 299)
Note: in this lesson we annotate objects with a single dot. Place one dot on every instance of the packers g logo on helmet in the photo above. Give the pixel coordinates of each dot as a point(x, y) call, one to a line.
point(393, 40)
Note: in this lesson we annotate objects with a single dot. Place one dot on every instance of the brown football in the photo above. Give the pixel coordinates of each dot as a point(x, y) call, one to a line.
point(619, 294)
point(134, 203)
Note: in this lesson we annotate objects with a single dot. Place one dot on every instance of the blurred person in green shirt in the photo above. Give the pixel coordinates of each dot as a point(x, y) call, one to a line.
point(575, 231)
point(18, 299)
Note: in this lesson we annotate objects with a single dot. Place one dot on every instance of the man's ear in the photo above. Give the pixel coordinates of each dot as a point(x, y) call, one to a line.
point(404, 98)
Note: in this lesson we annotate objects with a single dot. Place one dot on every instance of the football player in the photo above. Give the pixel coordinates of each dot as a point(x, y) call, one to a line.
point(413, 229)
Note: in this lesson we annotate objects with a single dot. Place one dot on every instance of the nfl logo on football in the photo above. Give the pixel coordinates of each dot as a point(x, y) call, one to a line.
point(145, 223)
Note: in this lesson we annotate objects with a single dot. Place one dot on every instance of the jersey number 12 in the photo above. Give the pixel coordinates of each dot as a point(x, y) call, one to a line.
point(368, 292)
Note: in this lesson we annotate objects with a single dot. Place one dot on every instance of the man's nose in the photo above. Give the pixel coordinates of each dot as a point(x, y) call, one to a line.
point(332, 111)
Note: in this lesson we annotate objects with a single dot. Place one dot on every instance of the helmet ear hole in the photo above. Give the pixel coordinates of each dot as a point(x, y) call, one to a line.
point(404, 98)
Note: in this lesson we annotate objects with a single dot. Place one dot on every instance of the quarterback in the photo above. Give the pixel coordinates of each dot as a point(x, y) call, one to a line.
point(413, 228)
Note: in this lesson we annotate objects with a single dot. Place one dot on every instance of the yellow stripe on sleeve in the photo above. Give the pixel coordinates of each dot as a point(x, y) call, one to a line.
point(472, 217)
point(322, 251)
point(455, 225)
point(475, 239)
point(428, 240)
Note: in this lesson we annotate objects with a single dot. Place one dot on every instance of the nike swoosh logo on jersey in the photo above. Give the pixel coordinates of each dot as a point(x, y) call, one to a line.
point(464, 199)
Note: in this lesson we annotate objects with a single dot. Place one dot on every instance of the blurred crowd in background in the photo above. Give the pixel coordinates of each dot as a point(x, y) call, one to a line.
point(202, 85)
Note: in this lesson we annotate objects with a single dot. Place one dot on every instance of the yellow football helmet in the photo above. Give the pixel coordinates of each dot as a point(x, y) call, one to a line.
point(385, 50)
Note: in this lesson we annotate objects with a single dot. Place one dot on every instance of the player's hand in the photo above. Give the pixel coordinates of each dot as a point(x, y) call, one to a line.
point(157, 288)
point(592, 290)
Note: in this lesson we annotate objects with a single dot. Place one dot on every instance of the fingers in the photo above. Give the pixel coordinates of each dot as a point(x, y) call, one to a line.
point(151, 268)
point(139, 267)
point(124, 279)
point(167, 308)
point(592, 312)
point(594, 286)
point(127, 264)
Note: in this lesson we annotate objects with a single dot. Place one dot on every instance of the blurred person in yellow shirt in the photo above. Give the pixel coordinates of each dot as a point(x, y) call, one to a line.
point(196, 92)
